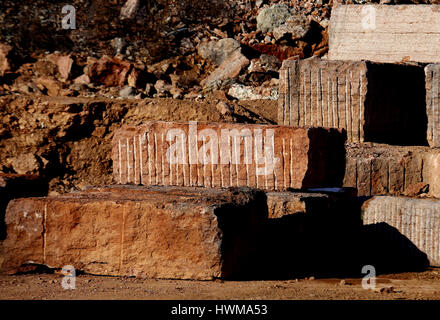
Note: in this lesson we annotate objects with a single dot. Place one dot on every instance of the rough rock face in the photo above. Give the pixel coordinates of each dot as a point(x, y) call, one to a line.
point(228, 155)
point(5, 64)
point(218, 51)
point(381, 169)
point(129, 10)
point(229, 69)
point(110, 71)
point(64, 64)
point(13, 186)
point(311, 233)
point(272, 17)
point(374, 102)
point(385, 33)
point(410, 226)
point(183, 233)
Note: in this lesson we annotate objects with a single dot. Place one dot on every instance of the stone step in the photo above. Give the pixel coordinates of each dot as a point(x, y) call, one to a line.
point(385, 33)
point(228, 155)
point(407, 229)
point(176, 232)
point(373, 102)
point(376, 169)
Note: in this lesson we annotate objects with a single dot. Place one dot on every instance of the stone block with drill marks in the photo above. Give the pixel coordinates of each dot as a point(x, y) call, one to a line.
point(432, 72)
point(228, 155)
point(154, 232)
point(385, 33)
point(412, 223)
point(377, 169)
point(372, 101)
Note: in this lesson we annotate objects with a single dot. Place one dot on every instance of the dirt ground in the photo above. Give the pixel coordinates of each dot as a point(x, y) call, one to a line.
point(404, 286)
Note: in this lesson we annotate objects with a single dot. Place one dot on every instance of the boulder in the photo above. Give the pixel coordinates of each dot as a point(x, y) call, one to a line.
point(229, 69)
point(5, 62)
point(108, 71)
point(384, 33)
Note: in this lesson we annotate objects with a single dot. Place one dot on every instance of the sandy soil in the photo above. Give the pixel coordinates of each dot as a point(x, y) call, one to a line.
point(403, 286)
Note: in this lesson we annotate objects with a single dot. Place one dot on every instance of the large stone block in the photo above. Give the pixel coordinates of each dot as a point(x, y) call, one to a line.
point(407, 225)
point(373, 102)
point(13, 186)
point(228, 155)
point(156, 232)
point(385, 33)
point(376, 169)
point(432, 73)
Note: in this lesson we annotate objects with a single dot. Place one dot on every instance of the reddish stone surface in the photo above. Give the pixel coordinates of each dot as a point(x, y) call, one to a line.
point(228, 155)
point(184, 233)
point(407, 230)
point(432, 78)
point(109, 71)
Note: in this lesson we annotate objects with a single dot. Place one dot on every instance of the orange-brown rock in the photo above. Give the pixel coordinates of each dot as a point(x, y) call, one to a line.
point(228, 155)
point(281, 204)
point(377, 169)
point(14, 186)
point(374, 102)
point(111, 72)
point(156, 232)
point(64, 64)
point(5, 63)
point(416, 189)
